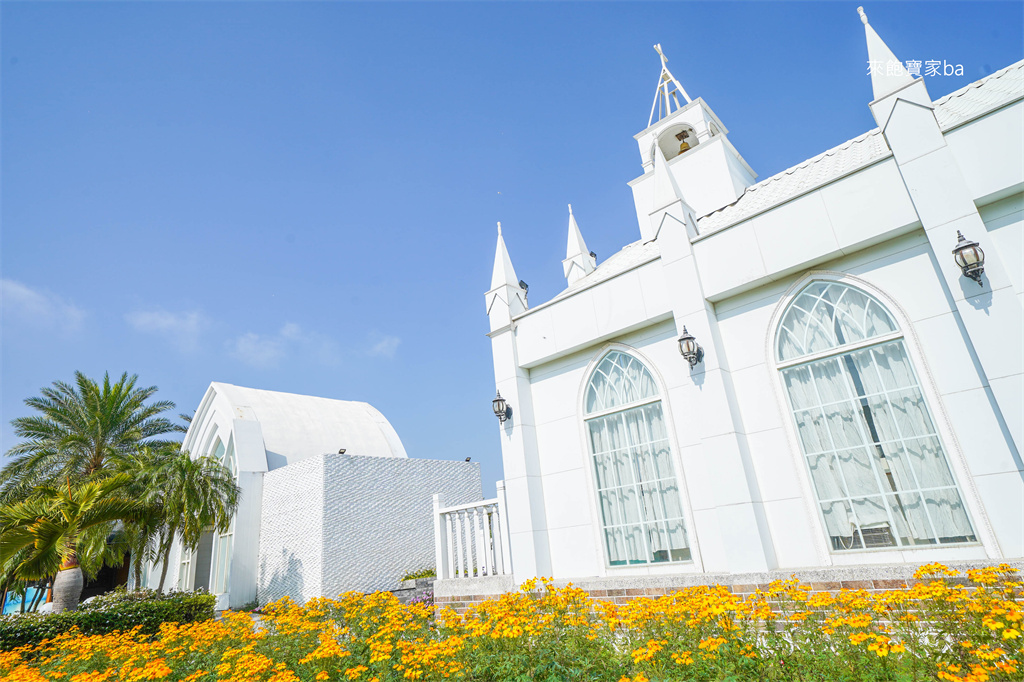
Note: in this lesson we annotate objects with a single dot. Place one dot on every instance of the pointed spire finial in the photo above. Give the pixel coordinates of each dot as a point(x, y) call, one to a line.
point(666, 96)
point(887, 72)
point(503, 272)
point(578, 260)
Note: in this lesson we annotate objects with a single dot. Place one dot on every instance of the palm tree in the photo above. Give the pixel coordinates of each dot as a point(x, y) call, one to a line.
point(79, 429)
point(147, 467)
point(49, 528)
point(186, 498)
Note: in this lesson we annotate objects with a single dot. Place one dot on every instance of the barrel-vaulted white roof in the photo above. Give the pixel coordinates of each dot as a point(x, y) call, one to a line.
point(292, 427)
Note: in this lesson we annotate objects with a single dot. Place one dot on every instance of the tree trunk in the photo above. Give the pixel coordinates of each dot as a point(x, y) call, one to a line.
point(67, 589)
point(137, 570)
point(167, 558)
point(38, 597)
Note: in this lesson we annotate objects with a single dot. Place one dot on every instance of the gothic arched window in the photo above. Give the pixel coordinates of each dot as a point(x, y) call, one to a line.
point(223, 542)
point(876, 461)
point(640, 504)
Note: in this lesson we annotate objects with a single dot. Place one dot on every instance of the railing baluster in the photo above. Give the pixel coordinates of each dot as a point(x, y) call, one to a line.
point(488, 546)
point(450, 546)
point(499, 557)
point(470, 563)
point(457, 520)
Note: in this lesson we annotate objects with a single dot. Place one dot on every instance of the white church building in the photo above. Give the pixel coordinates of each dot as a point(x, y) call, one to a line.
point(817, 372)
point(330, 501)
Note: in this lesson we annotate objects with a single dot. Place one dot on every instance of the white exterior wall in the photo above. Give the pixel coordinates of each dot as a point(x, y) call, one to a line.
point(1004, 220)
point(337, 523)
point(291, 554)
point(904, 273)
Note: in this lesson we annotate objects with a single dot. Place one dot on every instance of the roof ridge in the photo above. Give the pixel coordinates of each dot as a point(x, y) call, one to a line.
point(803, 164)
point(978, 83)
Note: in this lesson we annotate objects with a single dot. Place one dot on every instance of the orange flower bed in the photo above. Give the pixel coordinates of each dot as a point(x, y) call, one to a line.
point(939, 629)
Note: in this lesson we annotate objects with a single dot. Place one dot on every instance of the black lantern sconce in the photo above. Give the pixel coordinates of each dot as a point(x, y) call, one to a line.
point(501, 408)
point(690, 349)
point(969, 257)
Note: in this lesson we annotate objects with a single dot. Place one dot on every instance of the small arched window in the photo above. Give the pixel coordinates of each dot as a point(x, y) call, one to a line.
point(637, 489)
point(875, 458)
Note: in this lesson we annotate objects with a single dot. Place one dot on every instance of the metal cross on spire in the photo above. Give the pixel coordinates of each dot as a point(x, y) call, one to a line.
point(668, 91)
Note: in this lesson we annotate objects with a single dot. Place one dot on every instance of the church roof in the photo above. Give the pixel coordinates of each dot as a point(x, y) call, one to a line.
point(295, 427)
point(978, 98)
point(955, 109)
point(627, 258)
point(981, 97)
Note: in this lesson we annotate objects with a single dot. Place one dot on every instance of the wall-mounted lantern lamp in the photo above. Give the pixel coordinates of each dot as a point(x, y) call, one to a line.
point(969, 257)
point(501, 408)
point(690, 349)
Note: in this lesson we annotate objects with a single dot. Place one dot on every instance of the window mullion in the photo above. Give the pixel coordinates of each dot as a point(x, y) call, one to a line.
point(868, 444)
point(839, 350)
point(903, 447)
point(835, 457)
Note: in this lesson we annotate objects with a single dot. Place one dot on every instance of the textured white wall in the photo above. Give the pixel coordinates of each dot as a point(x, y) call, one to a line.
point(291, 532)
point(378, 521)
point(336, 523)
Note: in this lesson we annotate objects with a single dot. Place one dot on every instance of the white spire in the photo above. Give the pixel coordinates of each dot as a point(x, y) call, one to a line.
point(505, 289)
point(578, 261)
point(887, 72)
point(503, 272)
point(667, 93)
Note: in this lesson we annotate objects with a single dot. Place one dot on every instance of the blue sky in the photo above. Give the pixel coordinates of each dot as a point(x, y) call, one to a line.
point(302, 196)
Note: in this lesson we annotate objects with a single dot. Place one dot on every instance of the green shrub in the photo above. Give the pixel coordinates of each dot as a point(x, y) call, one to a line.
point(424, 573)
point(118, 610)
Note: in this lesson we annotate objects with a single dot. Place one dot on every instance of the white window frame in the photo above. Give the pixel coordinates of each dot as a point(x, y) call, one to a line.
point(185, 561)
point(954, 454)
point(695, 564)
point(218, 538)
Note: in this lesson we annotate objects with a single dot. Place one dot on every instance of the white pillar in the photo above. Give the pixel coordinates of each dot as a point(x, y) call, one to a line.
point(440, 542)
point(524, 497)
point(736, 519)
point(991, 314)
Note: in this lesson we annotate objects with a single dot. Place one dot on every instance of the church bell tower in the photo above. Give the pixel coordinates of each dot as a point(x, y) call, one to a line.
point(695, 145)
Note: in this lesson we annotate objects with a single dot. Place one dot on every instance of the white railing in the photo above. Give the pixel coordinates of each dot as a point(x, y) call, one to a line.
point(471, 540)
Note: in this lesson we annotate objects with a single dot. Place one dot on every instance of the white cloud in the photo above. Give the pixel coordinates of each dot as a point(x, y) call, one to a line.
point(38, 307)
point(383, 346)
point(181, 329)
point(256, 350)
point(267, 350)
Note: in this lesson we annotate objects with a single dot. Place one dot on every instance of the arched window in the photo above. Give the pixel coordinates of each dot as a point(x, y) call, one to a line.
point(875, 458)
point(224, 542)
point(641, 508)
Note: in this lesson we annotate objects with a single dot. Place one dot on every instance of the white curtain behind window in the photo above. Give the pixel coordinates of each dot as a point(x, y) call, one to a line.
point(875, 459)
point(639, 497)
